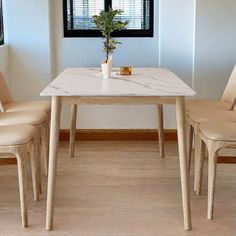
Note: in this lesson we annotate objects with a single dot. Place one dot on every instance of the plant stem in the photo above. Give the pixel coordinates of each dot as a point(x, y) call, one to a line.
point(107, 50)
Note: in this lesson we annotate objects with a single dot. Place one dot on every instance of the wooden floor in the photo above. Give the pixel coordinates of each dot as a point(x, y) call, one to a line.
point(119, 188)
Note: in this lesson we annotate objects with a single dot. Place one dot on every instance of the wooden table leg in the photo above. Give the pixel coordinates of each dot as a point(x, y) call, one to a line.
point(180, 117)
point(160, 130)
point(54, 141)
point(72, 130)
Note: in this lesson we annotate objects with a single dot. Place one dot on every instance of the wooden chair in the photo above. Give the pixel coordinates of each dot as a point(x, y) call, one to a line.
point(216, 136)
point(227, 102)
point(18, 140)
point(7, 104)
point(195, 118)
point(38, 119)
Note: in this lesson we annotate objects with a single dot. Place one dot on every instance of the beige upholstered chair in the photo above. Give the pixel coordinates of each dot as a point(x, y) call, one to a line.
point(195, 118)
point(216, 136)
point(227, 102)
point(7, 104)
point(38, 119)
point(18, 140)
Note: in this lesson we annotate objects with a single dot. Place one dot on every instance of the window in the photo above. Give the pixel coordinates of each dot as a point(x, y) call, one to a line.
point(78, 17)
point(1, 24)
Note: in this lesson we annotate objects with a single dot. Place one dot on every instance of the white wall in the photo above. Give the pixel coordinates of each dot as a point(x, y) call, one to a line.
point(176, 43)
point(88, 52)
point(202, 58)
point(136, 52)
point(215, 46)
point(177, 37)
point(27, 33)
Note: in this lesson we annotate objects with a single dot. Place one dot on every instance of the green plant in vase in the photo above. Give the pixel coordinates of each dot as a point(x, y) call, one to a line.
point(106, 23)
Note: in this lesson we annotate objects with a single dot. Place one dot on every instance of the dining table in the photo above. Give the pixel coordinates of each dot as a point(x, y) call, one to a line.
point(145, 86)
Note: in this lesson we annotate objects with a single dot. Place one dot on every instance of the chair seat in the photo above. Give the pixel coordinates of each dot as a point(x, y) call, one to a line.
point(22, 118)
point(40, 105)
point(16, 134)
point(203, 115)
point(206, 104)
point(219, 131)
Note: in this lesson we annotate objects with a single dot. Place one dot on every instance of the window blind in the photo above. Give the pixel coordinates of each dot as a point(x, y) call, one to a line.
point(80, 13)
point(78, 21)
point(1, 24)
point(137, 12)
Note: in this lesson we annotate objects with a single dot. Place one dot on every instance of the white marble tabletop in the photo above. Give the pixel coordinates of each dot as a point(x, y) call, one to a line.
point(81, 81)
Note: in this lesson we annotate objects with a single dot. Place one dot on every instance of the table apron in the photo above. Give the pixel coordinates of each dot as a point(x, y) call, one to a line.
point(115, 100)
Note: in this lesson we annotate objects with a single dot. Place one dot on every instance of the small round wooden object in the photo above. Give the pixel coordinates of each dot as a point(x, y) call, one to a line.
point(125, 70)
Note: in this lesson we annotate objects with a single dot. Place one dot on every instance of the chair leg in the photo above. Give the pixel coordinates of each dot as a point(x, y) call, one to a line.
point(21, 157)
point(160, 130)
point(37, 154)
point(196, 161)
point(45, 145)
point(72, 130)
point(212, 162)
point(189, 143)
point(34, 173)
point(200, 165)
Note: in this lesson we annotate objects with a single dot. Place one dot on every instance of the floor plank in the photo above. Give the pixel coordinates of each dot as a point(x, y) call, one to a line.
point(119, 188)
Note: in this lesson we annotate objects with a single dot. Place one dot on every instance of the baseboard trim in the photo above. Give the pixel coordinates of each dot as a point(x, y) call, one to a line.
point(226, 160)
point(8, 161)
point(117, 134)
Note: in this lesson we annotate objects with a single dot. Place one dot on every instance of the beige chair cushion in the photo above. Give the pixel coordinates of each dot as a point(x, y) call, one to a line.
point(203, 115)
point(16, 134)
point(40, 105)
point(219, 131)
point(206, 104)
point(22, 118)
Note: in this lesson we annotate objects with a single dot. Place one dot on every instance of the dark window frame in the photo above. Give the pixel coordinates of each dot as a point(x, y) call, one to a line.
point(95, 33)
point(1, 23)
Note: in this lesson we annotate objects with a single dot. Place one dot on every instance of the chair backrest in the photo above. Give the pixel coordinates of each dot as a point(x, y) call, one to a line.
point(229, 94)
point(5, 95)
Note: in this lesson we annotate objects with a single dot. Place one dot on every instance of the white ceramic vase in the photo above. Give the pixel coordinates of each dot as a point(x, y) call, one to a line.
point(106, 68)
